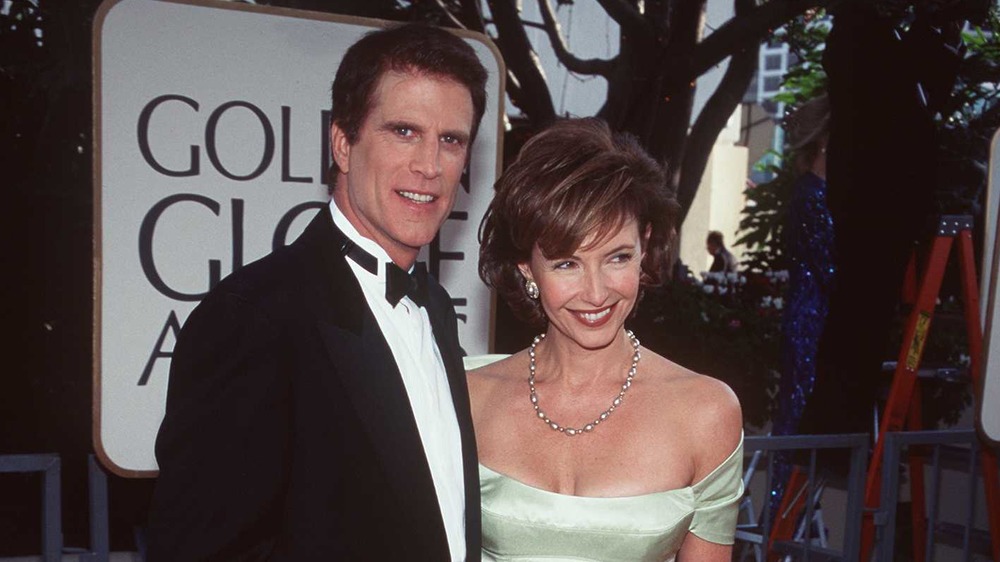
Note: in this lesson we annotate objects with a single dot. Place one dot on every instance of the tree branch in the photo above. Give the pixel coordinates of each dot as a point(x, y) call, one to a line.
point(713, 117)
point(513, 86)
point(534, 100)
point(745, 29)
point(666, 127)
point(451, 17)
point(630, 20)
point(573, 63)
point(472, 15)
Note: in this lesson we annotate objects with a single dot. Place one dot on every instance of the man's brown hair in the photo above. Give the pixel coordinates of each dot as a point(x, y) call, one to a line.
point(416, 48)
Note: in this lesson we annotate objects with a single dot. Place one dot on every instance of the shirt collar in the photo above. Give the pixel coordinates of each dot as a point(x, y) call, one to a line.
point(366, 244)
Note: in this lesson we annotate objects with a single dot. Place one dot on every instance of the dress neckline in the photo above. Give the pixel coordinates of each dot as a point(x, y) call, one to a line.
point(707, 478)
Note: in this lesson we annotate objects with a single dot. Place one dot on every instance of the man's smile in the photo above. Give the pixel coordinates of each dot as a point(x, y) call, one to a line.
point(417, 197)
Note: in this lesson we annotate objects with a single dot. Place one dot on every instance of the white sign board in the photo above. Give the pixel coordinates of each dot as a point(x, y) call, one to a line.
point(988, 408)
point(211, 147)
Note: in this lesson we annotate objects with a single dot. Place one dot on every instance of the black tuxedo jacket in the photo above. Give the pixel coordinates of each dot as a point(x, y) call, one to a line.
point(289, 434)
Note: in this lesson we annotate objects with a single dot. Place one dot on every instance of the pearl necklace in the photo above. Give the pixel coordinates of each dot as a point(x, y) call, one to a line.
point(571, 431)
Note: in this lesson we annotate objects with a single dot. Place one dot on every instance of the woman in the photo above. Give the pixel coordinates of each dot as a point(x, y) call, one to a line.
point(808, 245)
point(591, 447)
point(808, 236)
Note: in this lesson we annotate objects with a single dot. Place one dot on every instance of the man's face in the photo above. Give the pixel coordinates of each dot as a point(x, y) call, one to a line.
point(398, 181)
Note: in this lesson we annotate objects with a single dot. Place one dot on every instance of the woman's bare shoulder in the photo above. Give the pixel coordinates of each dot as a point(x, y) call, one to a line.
point(703, 408)
point(495, 374)
point(489, 368)
point(688, 387)
point(492, 388)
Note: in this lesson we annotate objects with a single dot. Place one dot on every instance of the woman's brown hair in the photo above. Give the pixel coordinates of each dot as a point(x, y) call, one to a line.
point(574, 181)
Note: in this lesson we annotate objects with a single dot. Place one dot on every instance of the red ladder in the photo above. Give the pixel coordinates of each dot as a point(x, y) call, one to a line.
point(903, 405)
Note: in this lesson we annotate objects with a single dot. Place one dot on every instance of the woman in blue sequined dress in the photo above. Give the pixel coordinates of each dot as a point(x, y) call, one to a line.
point(808, 240)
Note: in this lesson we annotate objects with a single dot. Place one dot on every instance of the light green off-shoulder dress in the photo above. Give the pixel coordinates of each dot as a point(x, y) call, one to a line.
point(522, 523)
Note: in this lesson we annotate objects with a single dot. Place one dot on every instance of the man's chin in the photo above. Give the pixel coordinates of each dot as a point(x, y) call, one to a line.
point(417, 240)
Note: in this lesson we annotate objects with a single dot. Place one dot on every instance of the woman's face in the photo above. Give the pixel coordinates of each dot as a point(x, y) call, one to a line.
point(587, 296)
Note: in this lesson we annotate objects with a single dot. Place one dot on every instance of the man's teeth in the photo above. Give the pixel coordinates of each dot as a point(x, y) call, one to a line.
point(595, 316)
point(418, 197)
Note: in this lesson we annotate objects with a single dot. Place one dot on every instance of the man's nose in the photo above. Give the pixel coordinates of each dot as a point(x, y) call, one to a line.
point(427, 159)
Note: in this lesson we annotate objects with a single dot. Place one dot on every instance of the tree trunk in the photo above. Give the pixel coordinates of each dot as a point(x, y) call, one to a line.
point(713, 119)
point(533, 96)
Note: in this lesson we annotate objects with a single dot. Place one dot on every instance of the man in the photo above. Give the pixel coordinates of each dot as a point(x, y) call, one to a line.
point(724, 261)
point(316, 410)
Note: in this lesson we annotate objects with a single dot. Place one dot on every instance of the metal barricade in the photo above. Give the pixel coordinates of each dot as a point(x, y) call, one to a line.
point(754, 532)
point(49, 466)
point(100, 544)
point(959, 448)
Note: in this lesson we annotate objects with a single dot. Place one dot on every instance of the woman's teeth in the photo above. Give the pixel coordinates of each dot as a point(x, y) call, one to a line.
point(595, 316)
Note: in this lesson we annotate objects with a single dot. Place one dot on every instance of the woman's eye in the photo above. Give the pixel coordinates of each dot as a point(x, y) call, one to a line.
point(562, 265)
point(623, 257)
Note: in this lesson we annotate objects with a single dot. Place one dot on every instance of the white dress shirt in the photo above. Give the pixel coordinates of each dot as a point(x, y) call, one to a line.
point(407, 329)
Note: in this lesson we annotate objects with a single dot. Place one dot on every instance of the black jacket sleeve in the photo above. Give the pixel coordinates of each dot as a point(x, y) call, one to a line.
point(221, 447)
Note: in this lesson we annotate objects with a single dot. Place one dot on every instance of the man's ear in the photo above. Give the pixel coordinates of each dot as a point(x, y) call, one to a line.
point(340, 148)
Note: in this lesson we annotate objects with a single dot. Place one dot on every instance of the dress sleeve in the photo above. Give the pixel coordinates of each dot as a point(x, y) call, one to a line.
point(476, 361)
point(717, 498)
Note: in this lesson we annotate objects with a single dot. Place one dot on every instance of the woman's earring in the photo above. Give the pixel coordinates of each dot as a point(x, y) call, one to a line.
point(532, 289)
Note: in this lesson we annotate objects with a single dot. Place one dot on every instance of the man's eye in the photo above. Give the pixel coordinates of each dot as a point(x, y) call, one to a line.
point(404, 131)
point(453, 140)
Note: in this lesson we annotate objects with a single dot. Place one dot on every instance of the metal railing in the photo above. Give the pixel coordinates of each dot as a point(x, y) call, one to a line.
point(955, 451)
point(49, 466)
point(958, 449)
point(755, 533)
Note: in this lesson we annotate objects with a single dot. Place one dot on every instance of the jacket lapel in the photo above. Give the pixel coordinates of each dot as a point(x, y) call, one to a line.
point(360, 355)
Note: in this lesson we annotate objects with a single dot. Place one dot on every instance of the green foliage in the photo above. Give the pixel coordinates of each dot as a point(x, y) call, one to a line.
point(764, 215)
point(968, 121)
point(764, 218)
point(805, 79)
point(966, 125)
point(976, 89)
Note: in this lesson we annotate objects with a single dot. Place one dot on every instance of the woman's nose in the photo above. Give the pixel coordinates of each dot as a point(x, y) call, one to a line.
point(596, 288)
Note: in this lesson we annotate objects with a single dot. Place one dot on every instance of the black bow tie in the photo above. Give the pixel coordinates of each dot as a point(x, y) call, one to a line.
point(398, 283)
